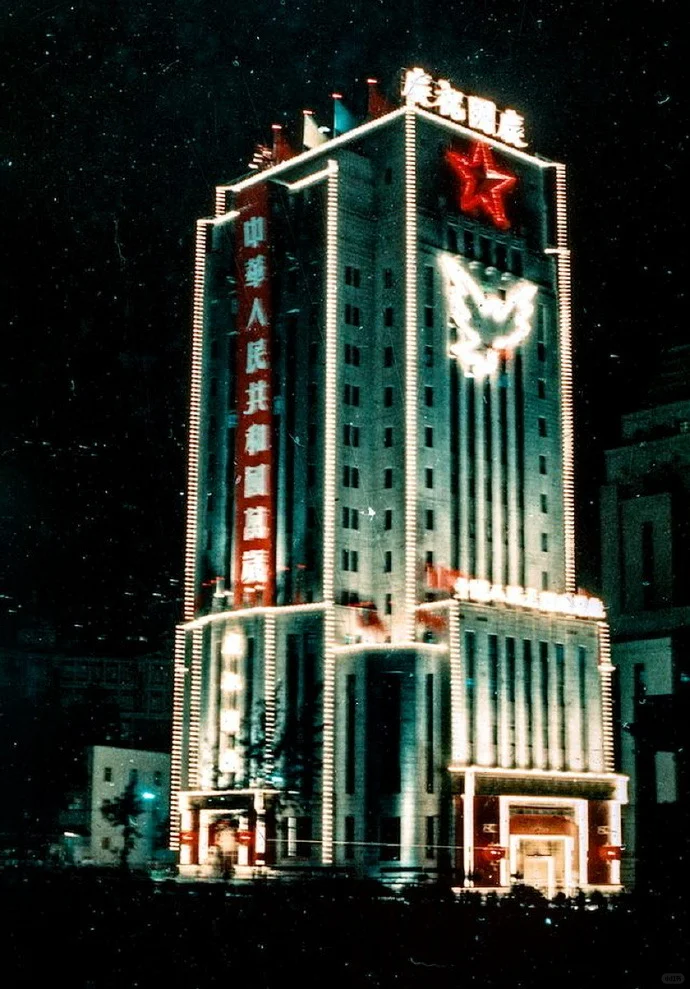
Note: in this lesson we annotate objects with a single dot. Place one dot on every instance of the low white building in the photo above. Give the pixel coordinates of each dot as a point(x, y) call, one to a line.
point(110, 771)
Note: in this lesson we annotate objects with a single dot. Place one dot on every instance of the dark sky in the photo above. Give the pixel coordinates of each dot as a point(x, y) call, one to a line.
point(120, 117)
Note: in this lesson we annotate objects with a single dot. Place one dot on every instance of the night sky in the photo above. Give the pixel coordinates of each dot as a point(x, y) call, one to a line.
point(120, 117)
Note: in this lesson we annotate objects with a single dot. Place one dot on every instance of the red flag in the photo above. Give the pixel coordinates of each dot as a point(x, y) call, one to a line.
point(368, 616)
point(377, 105)
point(435, 620)
point(282, 150)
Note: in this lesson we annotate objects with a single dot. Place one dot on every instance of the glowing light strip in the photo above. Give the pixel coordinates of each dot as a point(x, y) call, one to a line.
point(328, 751)
point(566, 355)
point(254, 612)
point(616, 839)
point(226, 218)
point(310, 179)
point(458, 717)
point(306, 156)
point(195, 708)
point(269, 693)
point(605, 671)
point(468, 826)
point(586, 775)
point(411, 397)
point(474, 135)
point(177, 734)
point(190, 576)
point(330, 388)
point(220, 199)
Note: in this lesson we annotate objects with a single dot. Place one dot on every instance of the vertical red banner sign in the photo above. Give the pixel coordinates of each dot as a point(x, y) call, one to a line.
point(254, 480)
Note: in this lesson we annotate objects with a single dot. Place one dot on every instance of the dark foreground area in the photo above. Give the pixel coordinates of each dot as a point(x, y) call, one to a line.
point(84, 930)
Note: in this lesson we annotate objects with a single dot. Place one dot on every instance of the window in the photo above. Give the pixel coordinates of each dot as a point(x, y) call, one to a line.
point(516, 261)
point(541, 351)
point(108, 774)
point(354, 518)
point(352, 276)
point(429, 317)
point(388, 562)
point(158, 778)
point(350, 560)
point(352, 355)
point(311, 475)
point(388, 357)
point(388, 278)
point(388, 519)
point(544, 504)
point(350, 434)
point(428, 396)
point(648, 565)
point(389, 850)
point(388, 477)
point(313, 353)
point(430, 838)
point(545, 542)
point(349, 836)
point(544, 580)
point(428, 356)
point(541, 387)
point(429, 560)
point(388, 316)
point(346, 518)
point(468, 242)
point(541, 421)
point(452, 240)
point(501, 256)
point(346, 476)
point(429, 477)
point(388, 397)
point(429, 436)
point(352, 315)
point(542, 465)
point(429, 518)
point(485, 250)
point(354, 474)
point(351, 394)
point(388, 436)
point(389, 604)
point(105, 844)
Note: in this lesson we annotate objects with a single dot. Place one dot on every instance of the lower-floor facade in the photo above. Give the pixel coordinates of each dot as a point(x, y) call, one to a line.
point(480, 752)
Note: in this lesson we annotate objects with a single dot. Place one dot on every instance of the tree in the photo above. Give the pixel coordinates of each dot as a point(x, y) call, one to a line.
point(122, 812)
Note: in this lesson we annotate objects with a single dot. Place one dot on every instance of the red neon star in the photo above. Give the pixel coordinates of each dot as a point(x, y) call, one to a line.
point(482, 186)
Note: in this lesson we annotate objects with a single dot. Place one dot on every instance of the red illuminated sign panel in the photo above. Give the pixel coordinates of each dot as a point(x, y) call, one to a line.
point(255, 512)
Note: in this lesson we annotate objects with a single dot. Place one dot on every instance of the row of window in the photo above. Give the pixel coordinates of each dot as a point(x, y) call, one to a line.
point(484, 249)
point(351, 599)
point(353, 355)
point(353, 277)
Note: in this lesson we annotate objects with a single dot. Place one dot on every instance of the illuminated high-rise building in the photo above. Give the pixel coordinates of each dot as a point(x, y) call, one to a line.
point(385, 663)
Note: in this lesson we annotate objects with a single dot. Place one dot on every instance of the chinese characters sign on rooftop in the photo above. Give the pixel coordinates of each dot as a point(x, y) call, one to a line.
point(474, 112)
point(254, 515)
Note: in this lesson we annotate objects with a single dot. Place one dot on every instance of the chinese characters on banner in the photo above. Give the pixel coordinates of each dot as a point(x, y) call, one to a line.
point(254, 515)
point(475, 112)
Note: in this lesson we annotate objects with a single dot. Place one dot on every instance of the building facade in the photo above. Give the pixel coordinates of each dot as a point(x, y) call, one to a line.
point(384, 663)
point(644, 514)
